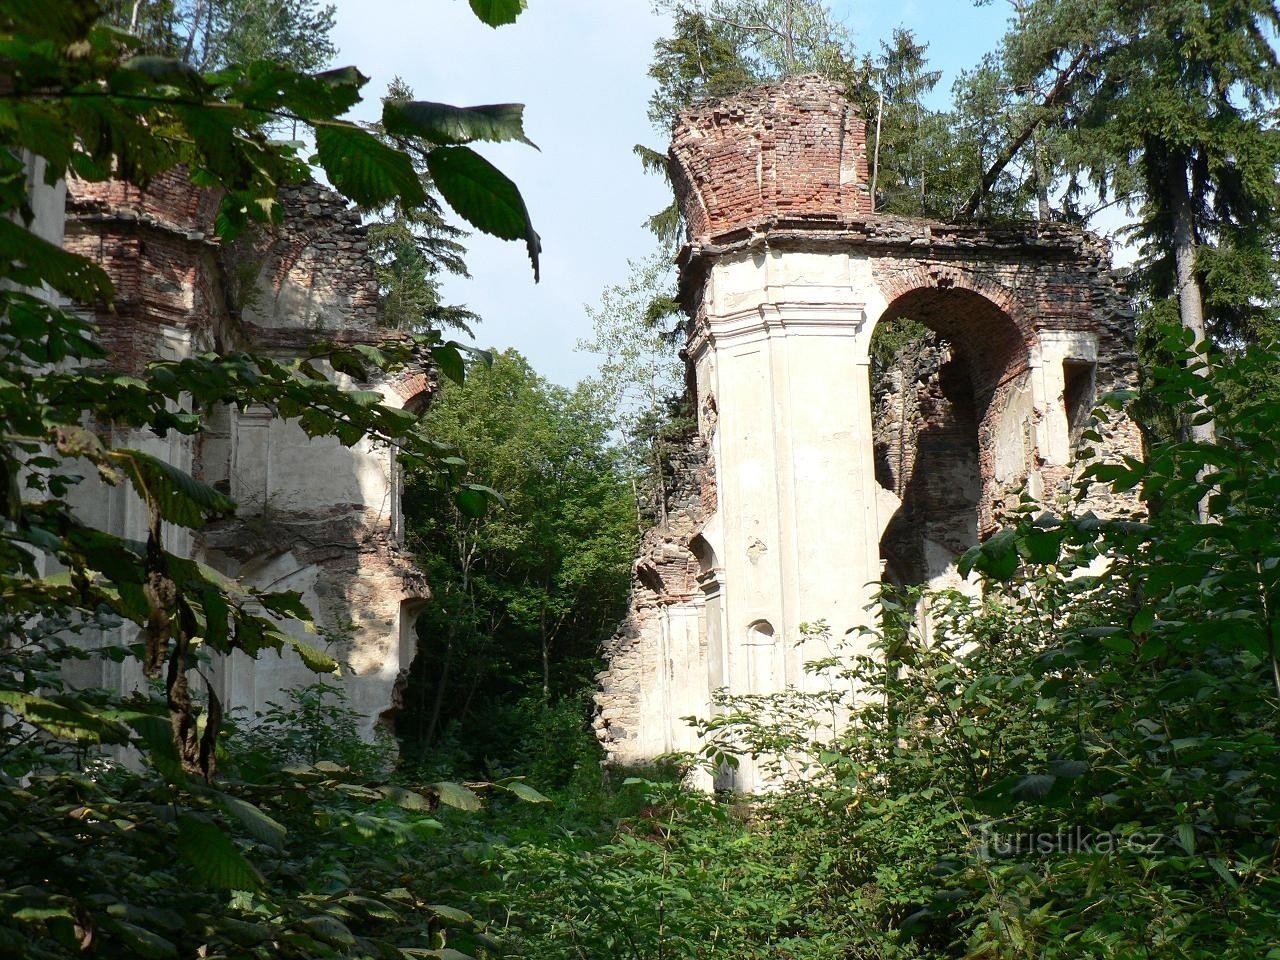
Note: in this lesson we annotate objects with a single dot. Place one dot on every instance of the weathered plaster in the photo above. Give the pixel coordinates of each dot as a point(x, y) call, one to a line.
point(313, 515)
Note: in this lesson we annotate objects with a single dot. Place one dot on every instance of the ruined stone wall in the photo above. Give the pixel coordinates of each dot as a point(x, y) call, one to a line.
point(925, 418)
point(157, 247)
point(659, 647)
point(313, 515)
point(787, 274)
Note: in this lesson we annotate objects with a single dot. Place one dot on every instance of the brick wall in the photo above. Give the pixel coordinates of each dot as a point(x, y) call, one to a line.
point(791, 148)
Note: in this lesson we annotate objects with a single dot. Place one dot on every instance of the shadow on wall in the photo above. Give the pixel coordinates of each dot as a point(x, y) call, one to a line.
point(320, 519)
point(939, 407)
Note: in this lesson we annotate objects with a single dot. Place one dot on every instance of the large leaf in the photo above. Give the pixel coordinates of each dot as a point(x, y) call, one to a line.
point(143, 943)
point(483, 195)
point(472, 500)
point(314, 658)
point(258, 824)
point(443, 124)
point(265, 85)
point(449, 360)
point(177, 496)
point(496, 13)
point(69, 720)
point(456, 795)
point(365, 169)
point(30, 261)
point(216, 859)
point(526, 792)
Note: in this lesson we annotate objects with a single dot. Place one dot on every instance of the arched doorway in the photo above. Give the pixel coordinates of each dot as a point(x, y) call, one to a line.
point(952, 417)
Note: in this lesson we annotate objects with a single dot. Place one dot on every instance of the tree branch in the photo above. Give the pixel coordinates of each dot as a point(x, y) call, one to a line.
point(1006, 156)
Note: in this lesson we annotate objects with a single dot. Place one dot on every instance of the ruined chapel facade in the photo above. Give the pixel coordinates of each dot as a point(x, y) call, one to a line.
point(313, 515)
point(800, 489)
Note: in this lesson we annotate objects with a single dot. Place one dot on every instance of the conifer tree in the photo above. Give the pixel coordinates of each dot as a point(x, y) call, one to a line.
point(1167, 105)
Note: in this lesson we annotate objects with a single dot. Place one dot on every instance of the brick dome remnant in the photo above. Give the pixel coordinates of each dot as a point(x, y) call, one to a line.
point(795, 148)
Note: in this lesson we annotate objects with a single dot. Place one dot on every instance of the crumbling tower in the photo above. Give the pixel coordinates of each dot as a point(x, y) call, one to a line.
point(787, 273)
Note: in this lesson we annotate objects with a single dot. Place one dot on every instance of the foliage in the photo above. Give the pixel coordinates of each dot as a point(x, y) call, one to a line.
point(307, 848)
point(163, 860)
point(524, 593)
point(211, 34)
point(414, 246)
point(1078, 763)
point(908, 132)
point(1168, 108)
point(641, 379)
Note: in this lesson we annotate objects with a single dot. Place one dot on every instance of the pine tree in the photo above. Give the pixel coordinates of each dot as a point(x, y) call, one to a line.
point(909, 134)
point(1168, 105)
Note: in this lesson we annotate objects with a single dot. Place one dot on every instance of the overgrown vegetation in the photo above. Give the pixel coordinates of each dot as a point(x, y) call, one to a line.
point(1081, 764)
point(523, 593)
point(156, 853)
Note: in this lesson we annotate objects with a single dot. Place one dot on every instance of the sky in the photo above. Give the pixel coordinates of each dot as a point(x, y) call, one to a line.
point(581, 68)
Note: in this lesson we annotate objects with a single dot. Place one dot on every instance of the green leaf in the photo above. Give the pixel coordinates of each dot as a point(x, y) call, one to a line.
point(1224, 872)
point(997, 557)
point(31, 261)
point(314, 658)
point(216, 615)
point(177, 496)
point(526, 792)
point(1144, 620)
point(365, 169)
point(287, 603)
point(142, 942)
point(456, 795)
point(266, 85)
point(483, 196)
point(66, 720)
point(1034, 786)
point(446, 125)
point(258, 824)
point(497, 13)
point(472, 502)
point(216, 859)
point(406, 799)
point(450, 362)
point(1069, 768)
point(1187, 837)
point(452, 914)
point(1044, 546)
point(329, 930)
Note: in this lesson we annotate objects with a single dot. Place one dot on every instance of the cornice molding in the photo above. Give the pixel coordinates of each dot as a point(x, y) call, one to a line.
point(778, 320)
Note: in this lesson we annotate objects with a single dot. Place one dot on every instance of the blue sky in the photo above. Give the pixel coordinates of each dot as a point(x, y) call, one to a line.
point(580, 67)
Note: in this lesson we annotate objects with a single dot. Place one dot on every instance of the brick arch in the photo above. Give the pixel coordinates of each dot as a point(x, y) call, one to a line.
point(896, 280)
point(980, 321)
point(415, 388)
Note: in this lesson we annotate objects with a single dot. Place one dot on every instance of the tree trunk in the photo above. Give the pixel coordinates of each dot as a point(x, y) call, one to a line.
point(546, 652)
point(1060, 86)
point(1043, 211)
point(442, 689)
point(1190, 297)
